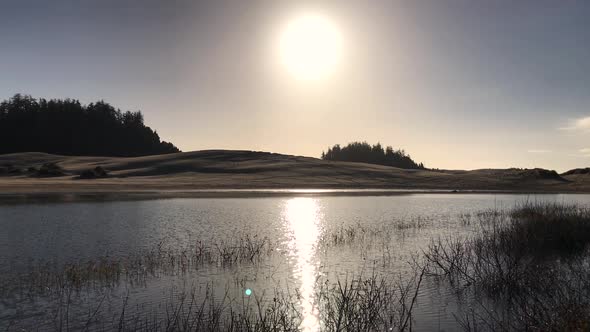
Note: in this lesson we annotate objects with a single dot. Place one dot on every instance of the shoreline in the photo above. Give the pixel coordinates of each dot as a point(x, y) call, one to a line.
point(132, 195)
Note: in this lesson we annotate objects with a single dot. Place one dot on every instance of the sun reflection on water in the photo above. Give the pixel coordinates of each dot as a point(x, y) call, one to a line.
point(303, 218)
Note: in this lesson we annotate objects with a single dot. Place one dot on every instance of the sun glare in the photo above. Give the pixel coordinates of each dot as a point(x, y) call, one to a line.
point(304, 216)
point(310, 47)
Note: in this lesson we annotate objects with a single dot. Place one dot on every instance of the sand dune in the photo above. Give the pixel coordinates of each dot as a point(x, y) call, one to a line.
point(216, 169)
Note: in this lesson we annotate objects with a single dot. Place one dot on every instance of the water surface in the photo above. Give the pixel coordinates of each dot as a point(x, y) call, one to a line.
point(60, 233)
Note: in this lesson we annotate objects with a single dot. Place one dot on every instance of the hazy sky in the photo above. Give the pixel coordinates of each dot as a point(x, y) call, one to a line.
point(457, 84)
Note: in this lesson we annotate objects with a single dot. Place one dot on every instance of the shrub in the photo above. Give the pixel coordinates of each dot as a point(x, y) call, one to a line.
point(50, 169)
point(97, 172)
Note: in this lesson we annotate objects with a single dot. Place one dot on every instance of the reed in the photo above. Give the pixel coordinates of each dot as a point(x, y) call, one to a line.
point(532, 262)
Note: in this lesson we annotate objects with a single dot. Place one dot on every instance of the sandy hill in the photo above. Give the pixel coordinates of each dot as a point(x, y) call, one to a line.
point(212, 169)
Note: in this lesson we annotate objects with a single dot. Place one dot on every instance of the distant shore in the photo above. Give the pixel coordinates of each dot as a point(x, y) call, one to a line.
point(223, 173)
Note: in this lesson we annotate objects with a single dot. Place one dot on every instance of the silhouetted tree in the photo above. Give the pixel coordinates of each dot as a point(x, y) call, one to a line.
point(65, 126)
point(363, 152)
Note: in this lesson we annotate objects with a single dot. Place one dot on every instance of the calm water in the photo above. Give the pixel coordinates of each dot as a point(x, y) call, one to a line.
point(61, 233)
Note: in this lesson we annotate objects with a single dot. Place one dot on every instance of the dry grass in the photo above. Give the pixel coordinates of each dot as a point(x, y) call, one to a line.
point(250, 169)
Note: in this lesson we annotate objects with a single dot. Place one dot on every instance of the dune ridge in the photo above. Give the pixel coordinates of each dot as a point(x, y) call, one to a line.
point(236, 169)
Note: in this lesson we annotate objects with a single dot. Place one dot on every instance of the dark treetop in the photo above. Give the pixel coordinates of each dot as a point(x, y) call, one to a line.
point(69, 128)
point(365, 153)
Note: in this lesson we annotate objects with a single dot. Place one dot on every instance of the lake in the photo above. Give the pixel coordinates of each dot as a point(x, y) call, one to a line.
point(263, 245)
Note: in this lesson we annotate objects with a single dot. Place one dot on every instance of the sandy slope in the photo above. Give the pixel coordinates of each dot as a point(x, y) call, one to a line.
point(212, 169)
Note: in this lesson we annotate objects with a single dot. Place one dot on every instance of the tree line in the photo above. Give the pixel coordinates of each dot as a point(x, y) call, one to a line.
point(67, 127)
point(372, 154)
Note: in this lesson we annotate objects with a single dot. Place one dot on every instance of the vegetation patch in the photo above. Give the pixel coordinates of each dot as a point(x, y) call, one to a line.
point(9, 169)
point(95, 173)
point(375, 154)
point(67, 127)
point(532, 262)
point(49, 170)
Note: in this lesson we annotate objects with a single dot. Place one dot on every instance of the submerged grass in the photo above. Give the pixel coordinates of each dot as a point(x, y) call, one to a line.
point(167, 260)
point(531, 261)
point(509, 244)
point(368, 234)
point(527, 269)
point(551, 229)
point(374, 303)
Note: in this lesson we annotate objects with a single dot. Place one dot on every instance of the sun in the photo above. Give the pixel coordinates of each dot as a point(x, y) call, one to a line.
point(310, 47)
